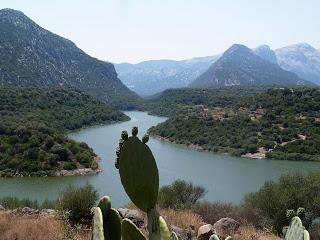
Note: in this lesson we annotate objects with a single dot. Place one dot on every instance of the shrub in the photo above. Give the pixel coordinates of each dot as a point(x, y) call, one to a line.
point(69, 166)
point(14, 202)
point(290, 192)
point(79, 202)
point(180, 194)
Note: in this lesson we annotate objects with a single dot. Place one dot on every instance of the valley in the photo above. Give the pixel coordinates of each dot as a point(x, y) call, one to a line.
point(230, 138)
point(232, 175)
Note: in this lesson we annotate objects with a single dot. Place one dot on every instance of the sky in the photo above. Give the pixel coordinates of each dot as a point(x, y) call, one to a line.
point(137, 30)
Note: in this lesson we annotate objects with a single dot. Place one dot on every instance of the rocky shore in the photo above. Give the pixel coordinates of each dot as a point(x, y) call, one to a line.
point(258, 155)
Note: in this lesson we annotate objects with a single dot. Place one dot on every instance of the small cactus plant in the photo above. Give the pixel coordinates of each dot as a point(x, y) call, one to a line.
point(215, 237)
point(296, 230)
point(140, 179)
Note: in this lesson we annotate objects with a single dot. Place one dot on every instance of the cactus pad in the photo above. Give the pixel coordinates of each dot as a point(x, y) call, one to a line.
point(97, 232)
point(134, 131)
point(165, 233)
point(145, 138)
point(124, 135)
point(111, 220)
point(174, 236)
point(139, 173)
point(214, 237)
point(130, 231)
point(295, 230)
point(104, 204)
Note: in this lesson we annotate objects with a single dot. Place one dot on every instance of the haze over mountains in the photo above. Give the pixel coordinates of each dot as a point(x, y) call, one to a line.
point(150, 77)
point(33, 56)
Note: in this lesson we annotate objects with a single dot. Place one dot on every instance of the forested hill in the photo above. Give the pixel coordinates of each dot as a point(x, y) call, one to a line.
point(33, 129)
point(280, 123)
point(33, 56)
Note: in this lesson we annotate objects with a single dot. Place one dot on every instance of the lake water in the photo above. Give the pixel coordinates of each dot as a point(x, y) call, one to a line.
point(226, 178)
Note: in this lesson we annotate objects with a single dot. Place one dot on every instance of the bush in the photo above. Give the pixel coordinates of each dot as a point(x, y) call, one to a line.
point(79, 202)
point(179, 195)
point(290, 192)
point(69, 166)
point(14, 202)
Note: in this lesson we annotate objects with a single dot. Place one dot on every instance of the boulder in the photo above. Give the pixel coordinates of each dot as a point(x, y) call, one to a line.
point(205, 231)
point(48, 212)
point(134, 215)
point(25, 211)
point(183, 234)
point(226, 227)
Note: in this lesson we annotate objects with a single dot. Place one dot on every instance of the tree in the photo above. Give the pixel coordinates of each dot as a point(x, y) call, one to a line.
point(180, 194)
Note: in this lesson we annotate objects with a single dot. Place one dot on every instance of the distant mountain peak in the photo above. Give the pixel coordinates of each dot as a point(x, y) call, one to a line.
point(265, 52)
point(236, 49)
point(12, 15)
point(239, 65)
point(304, 45)
point(302, 59)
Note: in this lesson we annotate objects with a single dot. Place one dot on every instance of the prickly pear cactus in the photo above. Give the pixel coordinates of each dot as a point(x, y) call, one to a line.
point(130, 231)
point(174, 236)
point(97, 232)
point(111, 224)
point(214, 237)
point(296, 230)
point(140, 179)
point(139, 173)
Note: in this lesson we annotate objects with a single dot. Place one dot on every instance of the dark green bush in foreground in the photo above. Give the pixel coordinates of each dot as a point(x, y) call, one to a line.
point(290, 192)
point(78, 202)
point(179, 195)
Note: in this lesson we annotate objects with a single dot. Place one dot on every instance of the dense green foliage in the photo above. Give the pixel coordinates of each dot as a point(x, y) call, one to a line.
point(284, 122)
point(171, 101)
point(78, 202)
point(290, 192)
point(179, 195)
point(33, 126)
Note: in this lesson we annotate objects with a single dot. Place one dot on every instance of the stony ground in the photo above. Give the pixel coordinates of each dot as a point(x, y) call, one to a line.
point(31, 224)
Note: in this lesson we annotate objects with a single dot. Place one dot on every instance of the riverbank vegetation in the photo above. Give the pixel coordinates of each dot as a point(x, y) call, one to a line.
point(279, 123)
point(259, 214)
point(33, 128)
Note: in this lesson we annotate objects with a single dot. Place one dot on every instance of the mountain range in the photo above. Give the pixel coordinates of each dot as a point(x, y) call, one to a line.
point(153, 76)
point(240, 65)
point(150, 77)
point(32, 56)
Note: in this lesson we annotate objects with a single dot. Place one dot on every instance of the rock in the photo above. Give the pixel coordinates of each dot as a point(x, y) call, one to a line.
point(2, 208)
point(183, 234)
point(25, 211)
point(48, 212)
point(134, 215)
point(226, 227)
point(205, 231)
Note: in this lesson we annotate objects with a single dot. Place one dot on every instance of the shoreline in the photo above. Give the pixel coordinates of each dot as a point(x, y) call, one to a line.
point(64, 173)
point(200, 149)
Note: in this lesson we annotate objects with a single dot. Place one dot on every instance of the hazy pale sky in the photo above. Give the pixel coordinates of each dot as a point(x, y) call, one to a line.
point(137, 30)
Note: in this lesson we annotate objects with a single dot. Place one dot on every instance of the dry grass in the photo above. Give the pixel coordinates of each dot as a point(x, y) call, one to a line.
point(182, 218)
point(249, 232)
point(13, 227)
